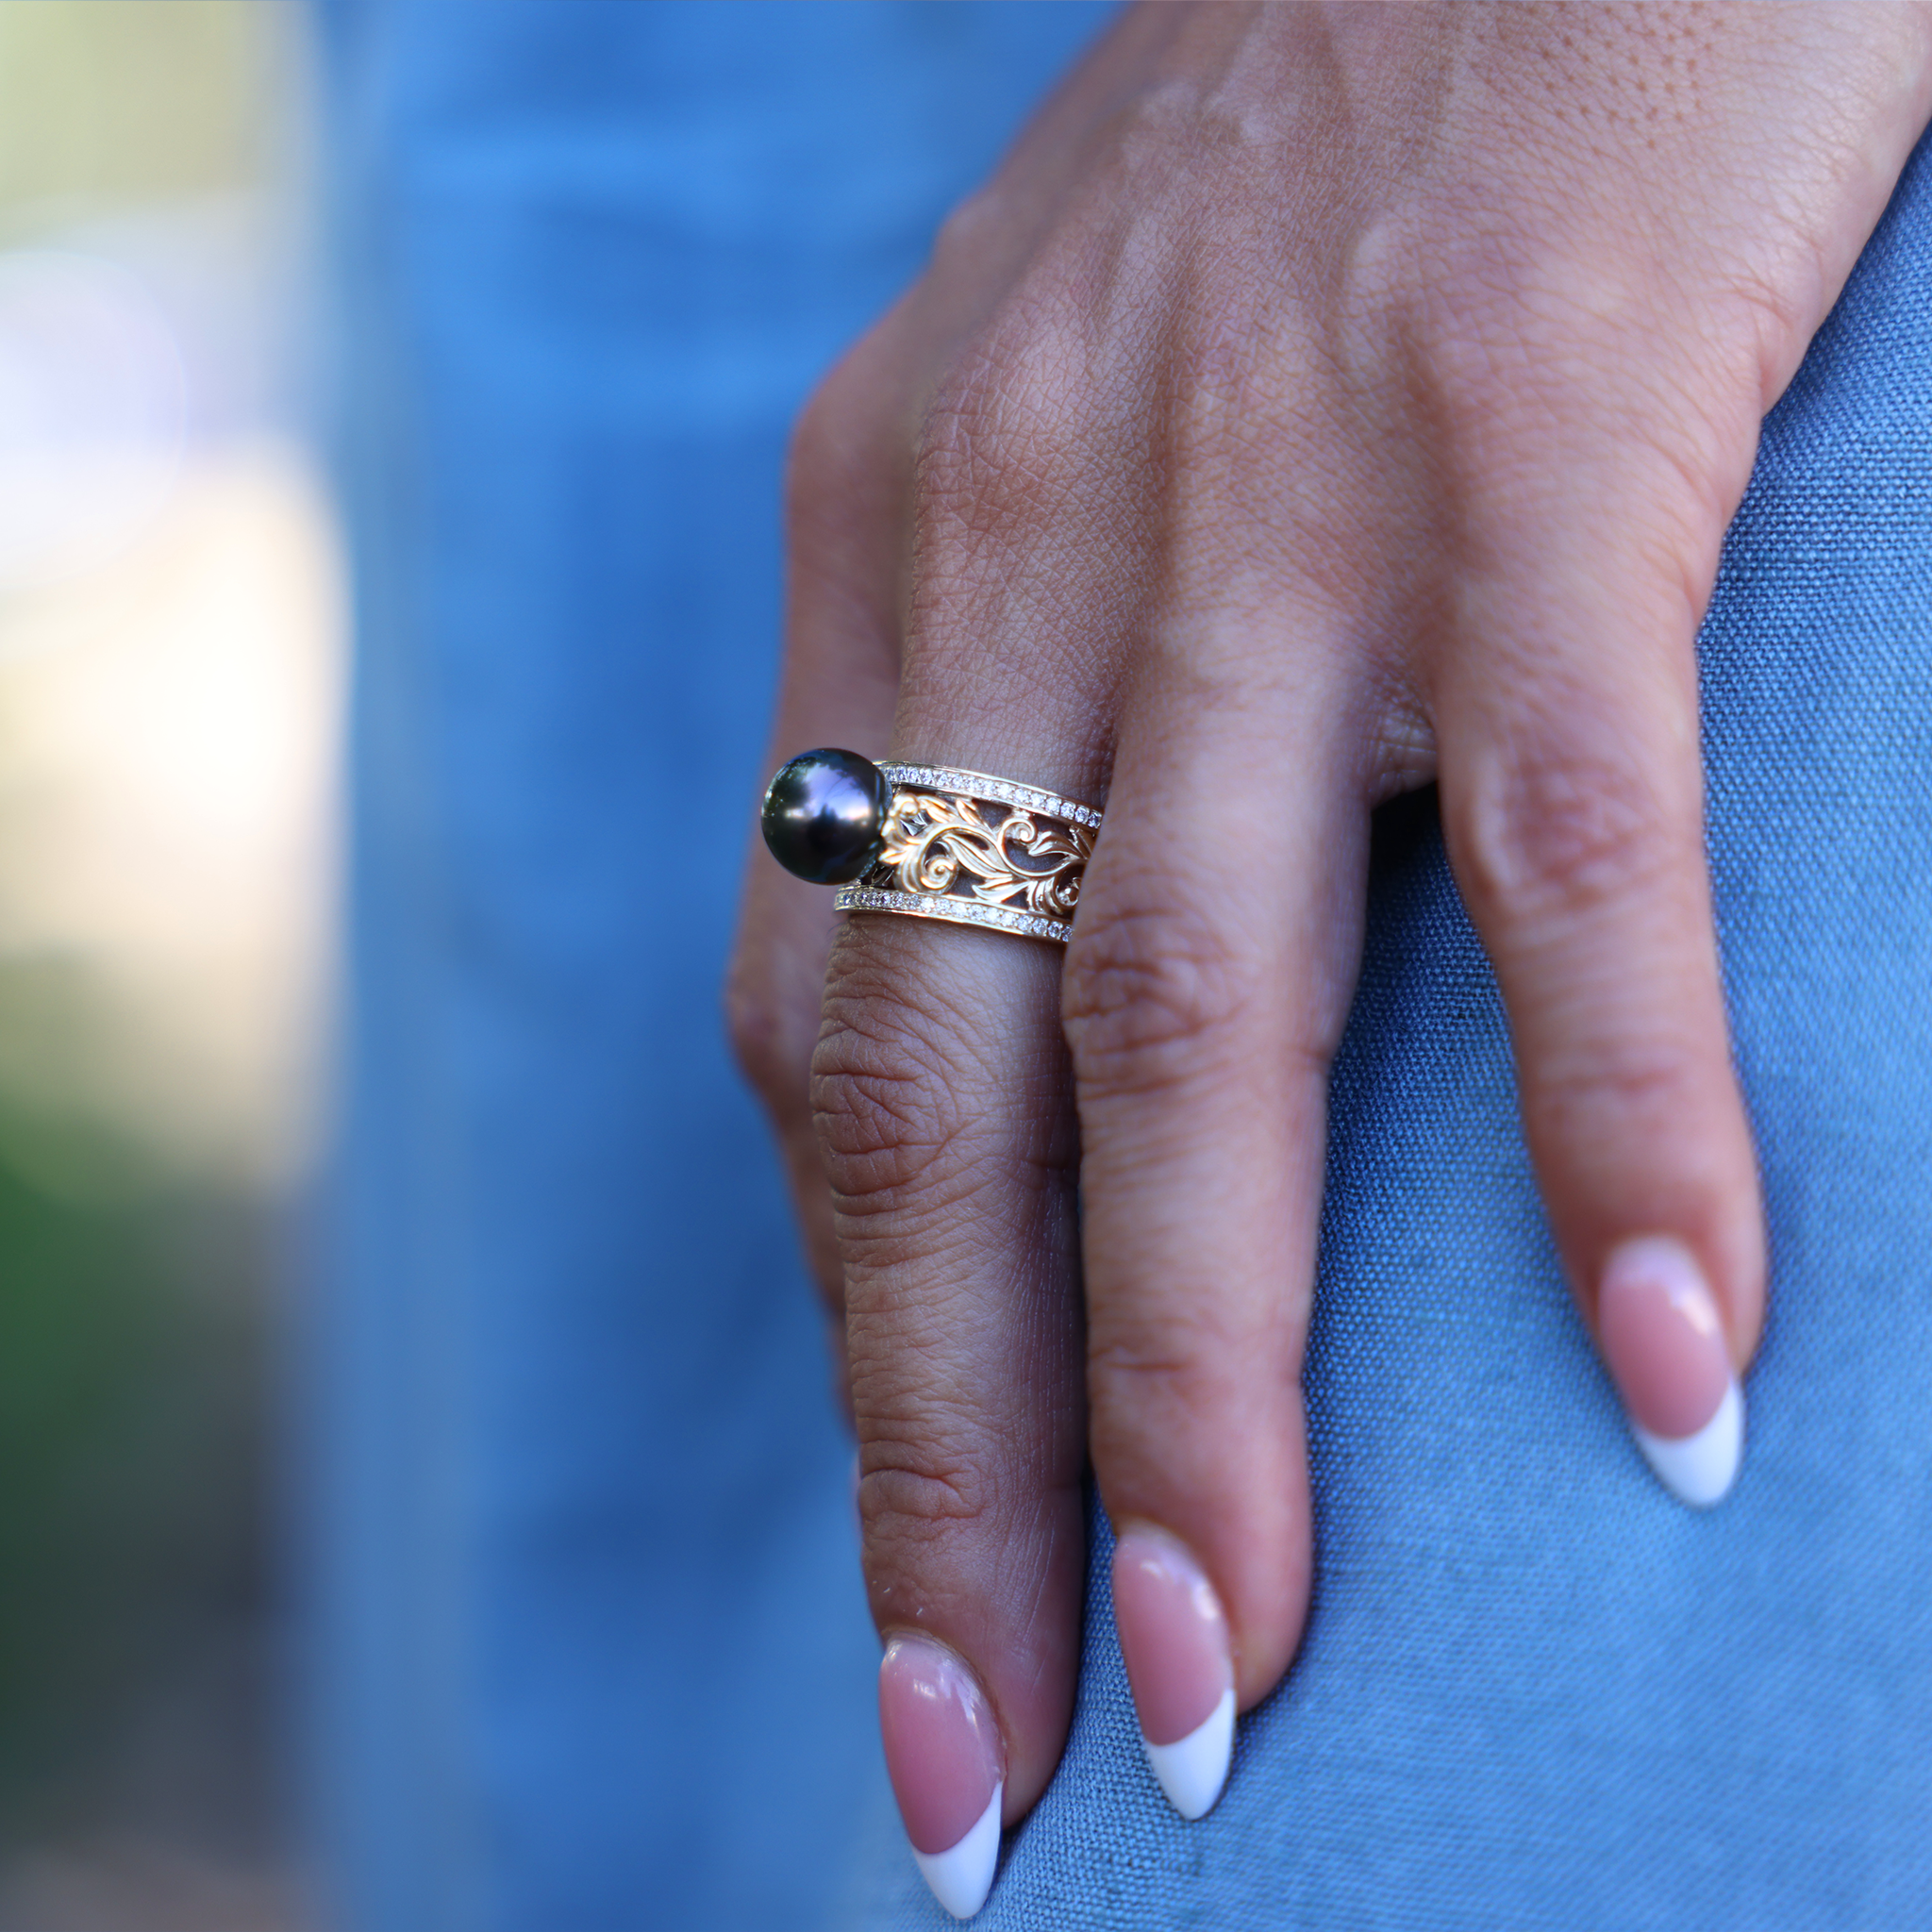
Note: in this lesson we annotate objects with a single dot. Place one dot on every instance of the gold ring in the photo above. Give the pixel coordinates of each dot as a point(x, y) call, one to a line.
point(933, 842)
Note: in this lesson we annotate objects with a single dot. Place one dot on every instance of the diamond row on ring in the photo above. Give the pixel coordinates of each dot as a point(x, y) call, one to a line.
point(960, 911)
point(992, 791)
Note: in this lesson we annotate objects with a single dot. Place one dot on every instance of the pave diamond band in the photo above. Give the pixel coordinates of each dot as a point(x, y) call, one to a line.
point(962, 911)
point(992, 791)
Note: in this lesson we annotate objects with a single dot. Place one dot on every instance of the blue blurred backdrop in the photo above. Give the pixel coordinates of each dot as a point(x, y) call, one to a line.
point(594, 1653)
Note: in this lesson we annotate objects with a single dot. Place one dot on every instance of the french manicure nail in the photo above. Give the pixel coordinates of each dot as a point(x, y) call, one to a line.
point(1665, 1345)
point(1173, 1638)
point(945, 1759)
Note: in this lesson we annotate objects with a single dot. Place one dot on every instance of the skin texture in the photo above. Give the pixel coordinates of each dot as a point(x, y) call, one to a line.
point(1320, 402)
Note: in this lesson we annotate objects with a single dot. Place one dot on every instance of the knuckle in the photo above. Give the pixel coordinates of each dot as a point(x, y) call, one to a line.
point(935, 1445)
point(1190, 1379)
point(889, 1088)
point(760, 1038)
point(841, 440)
point(1002, 441)
point(1528, 340)
point(1644, 1106)
point(883, 1117)
point(910, 1526)
point(1585, 1084)
point(1152, 994)
point(822, 441)
point(947, 1511)
point(1495, 309)
point(1173, 1358)
point(817, 437)
point(975, 229)
point(921, 1505)
point(1551, 832)
point(919, 1476)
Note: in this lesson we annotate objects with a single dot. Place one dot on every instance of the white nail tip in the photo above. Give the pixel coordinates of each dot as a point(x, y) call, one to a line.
point(1192, 1769)
point(962, 1876)
point(1700, 1469)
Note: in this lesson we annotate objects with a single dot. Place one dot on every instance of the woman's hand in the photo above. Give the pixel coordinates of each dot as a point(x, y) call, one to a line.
point(1320, 402)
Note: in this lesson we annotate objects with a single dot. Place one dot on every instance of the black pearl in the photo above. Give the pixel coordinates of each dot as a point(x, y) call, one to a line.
point(824, 815)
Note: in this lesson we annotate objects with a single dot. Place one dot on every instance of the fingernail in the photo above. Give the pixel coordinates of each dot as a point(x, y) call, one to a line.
point(1664, 1342)
point(1175, 1641)
point(943, 1754)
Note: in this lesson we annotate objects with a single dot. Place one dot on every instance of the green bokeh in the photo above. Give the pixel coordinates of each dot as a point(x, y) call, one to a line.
point(110, 103)
point(130, 1450)
point(133, 1289)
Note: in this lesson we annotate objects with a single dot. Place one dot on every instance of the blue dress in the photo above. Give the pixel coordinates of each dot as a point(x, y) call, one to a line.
point(586, 1649)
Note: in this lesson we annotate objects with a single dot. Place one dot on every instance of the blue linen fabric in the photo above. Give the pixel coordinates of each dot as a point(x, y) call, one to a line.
point(587, 1651)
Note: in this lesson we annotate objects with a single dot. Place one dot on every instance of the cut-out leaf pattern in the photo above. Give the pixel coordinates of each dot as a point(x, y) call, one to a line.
point(934, 843)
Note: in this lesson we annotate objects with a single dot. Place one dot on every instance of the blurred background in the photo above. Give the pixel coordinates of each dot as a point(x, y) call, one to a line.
point(170, 647)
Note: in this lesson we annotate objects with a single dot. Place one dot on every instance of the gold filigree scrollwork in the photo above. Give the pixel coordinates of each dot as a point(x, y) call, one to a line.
point(939, 844)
